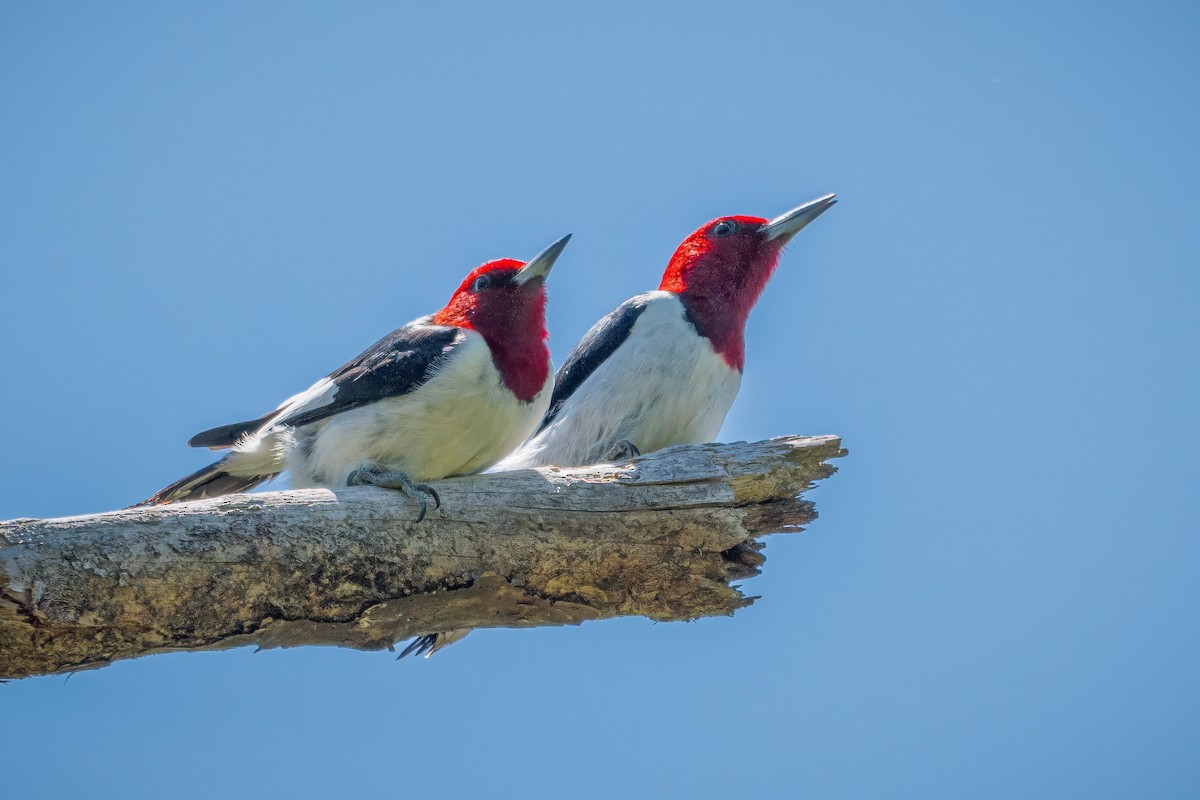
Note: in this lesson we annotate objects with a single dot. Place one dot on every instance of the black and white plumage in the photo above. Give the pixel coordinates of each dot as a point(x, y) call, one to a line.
point(664, 367)
point(447, 394)
point(641, 375)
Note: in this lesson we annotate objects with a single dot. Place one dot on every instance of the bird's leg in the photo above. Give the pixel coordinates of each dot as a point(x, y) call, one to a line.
point(623, 450)
point(395, 479)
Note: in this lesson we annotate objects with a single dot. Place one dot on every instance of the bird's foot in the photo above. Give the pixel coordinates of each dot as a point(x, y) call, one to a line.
point(394, 479)
point(623, 450)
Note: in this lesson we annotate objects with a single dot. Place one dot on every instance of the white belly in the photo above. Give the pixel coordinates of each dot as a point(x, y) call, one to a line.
point(463, 420)
point(663, 386)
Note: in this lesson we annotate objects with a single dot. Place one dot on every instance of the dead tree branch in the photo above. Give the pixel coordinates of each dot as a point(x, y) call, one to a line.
point(661, 537)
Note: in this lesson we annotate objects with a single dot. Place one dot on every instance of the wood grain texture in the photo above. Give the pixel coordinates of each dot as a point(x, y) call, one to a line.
point(661, 536)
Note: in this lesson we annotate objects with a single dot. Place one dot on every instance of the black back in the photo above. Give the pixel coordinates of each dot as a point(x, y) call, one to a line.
point(596, 345)
point(397, 364)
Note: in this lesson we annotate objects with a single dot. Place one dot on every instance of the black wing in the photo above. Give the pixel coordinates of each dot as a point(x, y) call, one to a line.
point(227, 435)
point(395, 365)
point(596, 345)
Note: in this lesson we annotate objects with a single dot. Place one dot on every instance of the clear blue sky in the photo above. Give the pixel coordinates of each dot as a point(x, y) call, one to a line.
point(204, 209)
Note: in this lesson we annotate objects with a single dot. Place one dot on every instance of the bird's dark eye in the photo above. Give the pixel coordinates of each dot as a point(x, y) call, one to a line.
point(723, 228)
point(481, 283)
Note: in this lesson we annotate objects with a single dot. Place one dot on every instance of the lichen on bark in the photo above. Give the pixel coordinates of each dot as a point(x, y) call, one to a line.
point(663, 536)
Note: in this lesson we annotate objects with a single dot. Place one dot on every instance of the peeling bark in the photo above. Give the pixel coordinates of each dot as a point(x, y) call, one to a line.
point(661, 536)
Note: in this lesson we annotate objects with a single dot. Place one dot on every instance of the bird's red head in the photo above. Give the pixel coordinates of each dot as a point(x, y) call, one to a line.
point(504, 301)
point(720, 271)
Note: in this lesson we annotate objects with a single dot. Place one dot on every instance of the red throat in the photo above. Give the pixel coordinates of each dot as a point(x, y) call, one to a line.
point(719, 280)
point(511, 318)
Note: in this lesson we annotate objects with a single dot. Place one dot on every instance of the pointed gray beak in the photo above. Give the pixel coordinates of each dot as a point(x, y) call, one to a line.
point(785, 226)
point(539, 266)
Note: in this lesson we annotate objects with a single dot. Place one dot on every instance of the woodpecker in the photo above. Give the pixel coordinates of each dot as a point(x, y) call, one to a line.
point(664, 367)
point(447, 394)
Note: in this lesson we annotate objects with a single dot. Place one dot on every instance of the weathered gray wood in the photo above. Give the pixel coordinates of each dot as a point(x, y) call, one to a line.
point(661, 536)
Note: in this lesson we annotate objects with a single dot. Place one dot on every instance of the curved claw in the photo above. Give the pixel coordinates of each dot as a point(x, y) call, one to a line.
point(359, 477)
point(622, 450)
point(374, 476)
point(426, 489)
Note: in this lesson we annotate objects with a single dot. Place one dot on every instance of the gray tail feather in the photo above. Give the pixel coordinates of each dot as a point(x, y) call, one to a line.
point(426, 644)
point(227, 435)
point(210, 481)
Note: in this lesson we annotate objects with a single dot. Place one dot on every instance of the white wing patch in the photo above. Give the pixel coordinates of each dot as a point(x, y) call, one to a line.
point(319, 395)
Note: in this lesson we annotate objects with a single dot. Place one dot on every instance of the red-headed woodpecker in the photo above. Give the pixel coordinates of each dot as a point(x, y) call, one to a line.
point(664, 367)
point(447, 394)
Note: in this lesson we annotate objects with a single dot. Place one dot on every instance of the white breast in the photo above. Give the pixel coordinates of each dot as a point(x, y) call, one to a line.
point(461, 421)
point(663, 386)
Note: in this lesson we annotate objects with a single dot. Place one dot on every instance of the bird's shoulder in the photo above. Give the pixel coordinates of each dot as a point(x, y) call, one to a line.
point(598, 344)
point(397, 364)
point(404, 349)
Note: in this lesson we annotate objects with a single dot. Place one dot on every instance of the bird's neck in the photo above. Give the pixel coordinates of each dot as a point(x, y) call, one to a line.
point(516, 336)
point(723, 324)
point(522, 360)
point(717, 302)
point(514, 328)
